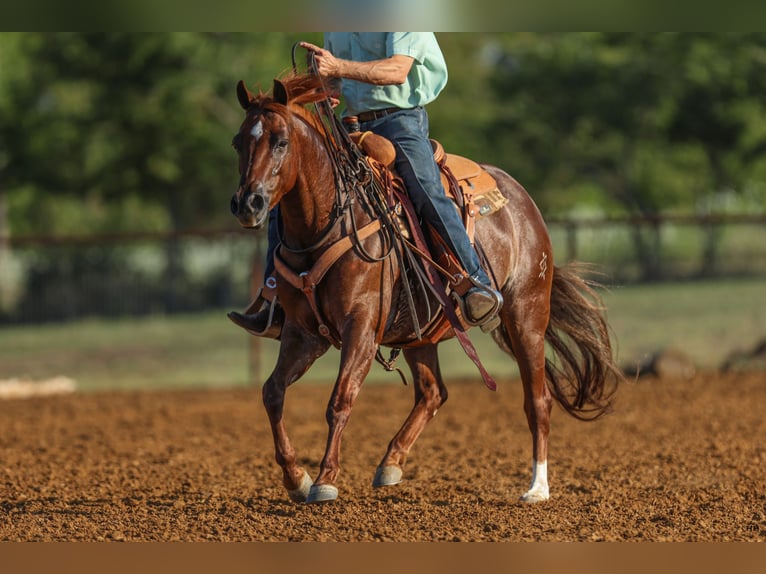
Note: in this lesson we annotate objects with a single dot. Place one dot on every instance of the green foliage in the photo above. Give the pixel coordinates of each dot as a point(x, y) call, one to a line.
point(658, 121)
point(113, 119)
point(118, 131)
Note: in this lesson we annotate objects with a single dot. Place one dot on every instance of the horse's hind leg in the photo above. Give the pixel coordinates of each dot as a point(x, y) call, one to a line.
point(525, 319)
point(295, 357)
point(430, 394)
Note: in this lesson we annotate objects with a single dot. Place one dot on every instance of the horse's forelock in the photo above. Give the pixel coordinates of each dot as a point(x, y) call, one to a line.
point(303, 88)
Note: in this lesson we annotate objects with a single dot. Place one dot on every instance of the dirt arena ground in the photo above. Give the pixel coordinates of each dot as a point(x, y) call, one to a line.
point(678, 460)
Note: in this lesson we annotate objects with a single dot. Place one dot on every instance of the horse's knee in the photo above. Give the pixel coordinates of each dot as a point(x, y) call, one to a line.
point(335, 417)
point(338, 410)
point(273, 397)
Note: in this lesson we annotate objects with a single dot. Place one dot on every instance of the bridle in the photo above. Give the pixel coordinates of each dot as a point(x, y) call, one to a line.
point(354, 179)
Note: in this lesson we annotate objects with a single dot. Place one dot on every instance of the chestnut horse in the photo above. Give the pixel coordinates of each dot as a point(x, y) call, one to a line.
point(284, 160)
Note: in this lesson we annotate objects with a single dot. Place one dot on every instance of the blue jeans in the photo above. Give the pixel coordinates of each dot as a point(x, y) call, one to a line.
point(273, 238)
point(408, 131)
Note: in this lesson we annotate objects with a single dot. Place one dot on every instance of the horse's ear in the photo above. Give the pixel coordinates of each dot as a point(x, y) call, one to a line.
point(243, 95)
point(280, 93)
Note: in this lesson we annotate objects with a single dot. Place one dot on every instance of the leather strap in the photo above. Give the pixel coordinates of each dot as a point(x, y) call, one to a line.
point(439, 291)
point(266, 293)
point(377, 114)
point(307, 281)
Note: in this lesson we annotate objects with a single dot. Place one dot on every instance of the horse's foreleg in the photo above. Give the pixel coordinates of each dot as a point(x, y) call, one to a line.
point(356, 360)
point(295, 479)
point(430, 394)
point(528, 341)
point(295, 358)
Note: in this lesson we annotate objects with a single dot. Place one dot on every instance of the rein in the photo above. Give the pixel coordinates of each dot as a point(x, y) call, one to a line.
point(355, 183)
point(350, 165)
point(355, 179)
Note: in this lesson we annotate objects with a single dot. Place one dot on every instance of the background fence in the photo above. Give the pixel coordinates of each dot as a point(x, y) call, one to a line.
point(46, 279)
point(636, 249)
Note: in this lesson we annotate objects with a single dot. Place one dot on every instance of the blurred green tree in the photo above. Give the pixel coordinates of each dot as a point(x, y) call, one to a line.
point(125, 130)
point(119, 131)
point(636, 123)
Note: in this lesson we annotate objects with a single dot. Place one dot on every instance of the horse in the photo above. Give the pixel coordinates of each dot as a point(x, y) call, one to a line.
point(359, 303)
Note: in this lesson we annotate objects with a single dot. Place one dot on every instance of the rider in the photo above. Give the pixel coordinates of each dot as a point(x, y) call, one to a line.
point(388, 78)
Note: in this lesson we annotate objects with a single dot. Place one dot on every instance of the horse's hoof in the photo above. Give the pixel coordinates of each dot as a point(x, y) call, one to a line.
point(534, 496)
point(322, 493)
point(387, 476)
point(301, 493)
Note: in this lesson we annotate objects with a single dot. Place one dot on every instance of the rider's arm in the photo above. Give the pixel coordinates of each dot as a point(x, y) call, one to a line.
point(388, 71)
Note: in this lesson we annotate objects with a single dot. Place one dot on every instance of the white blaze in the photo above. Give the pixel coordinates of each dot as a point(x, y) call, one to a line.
point(257, 130)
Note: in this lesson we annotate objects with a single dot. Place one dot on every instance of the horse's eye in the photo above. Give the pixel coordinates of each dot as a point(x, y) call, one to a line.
point(282, 144)
point(235, 142)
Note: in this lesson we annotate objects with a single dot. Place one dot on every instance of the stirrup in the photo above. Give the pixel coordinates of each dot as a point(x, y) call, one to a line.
point(491, 324)
point(266, 294)
point(491, 319)
point(265, 300)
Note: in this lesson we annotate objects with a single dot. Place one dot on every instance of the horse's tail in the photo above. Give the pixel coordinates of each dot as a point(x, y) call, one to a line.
point(582, 375)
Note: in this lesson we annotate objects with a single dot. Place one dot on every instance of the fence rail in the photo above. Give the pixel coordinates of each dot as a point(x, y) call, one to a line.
point(44, 277)
point(706, 224)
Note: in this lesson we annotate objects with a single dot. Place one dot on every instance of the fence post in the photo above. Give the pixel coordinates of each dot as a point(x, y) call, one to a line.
point(6, 290)
point(711, 236)
point(571, 234)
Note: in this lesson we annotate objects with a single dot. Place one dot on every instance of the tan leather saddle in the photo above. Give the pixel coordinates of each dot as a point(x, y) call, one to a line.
point(470, 186)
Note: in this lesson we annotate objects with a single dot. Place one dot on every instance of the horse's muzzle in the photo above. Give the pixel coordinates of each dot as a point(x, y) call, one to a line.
point(250, 208)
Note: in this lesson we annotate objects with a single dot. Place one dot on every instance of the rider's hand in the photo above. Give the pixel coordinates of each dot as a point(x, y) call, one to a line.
point(327, 64)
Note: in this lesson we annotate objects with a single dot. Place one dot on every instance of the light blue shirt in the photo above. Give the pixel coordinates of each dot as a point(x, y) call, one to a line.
point(425, 81)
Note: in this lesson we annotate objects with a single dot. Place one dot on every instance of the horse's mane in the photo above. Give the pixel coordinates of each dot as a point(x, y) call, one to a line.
point(301, 89)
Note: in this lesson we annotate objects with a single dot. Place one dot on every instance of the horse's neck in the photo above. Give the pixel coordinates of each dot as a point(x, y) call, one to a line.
point(308, 209)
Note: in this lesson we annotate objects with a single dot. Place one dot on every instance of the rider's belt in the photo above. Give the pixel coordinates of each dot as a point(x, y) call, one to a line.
point(377, 114)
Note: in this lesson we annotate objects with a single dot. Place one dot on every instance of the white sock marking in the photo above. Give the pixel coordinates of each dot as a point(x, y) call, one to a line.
point(539, 484)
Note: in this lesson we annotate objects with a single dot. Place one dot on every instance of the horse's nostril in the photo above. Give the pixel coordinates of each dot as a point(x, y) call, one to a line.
point(234, 205)
point(256, 202)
